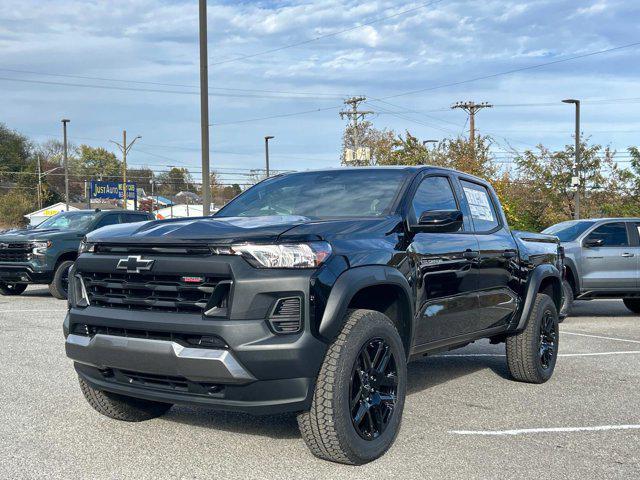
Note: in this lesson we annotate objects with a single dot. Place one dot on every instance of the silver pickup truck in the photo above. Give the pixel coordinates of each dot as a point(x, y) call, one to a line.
point(602, 259)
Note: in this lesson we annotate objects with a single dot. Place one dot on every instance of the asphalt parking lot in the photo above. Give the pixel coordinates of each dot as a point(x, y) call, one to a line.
point(463, 418)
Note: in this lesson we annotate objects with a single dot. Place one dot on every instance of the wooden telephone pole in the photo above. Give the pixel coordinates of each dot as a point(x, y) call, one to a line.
point(471, 108)
point(354, 115)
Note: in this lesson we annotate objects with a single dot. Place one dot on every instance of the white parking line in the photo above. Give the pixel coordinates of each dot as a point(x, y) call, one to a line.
point(522, 431)
point(591, 354)
point(600, 336)
point(38, 310)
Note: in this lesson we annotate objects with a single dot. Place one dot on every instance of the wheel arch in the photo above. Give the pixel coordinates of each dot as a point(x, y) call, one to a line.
point(380, 288)
point(543, 279)
point(69, 255)
point(572, 275)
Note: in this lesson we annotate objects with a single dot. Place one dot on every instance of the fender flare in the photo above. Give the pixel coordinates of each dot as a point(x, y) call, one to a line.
point(351, 282)
point(570, 264)
point(533, 285)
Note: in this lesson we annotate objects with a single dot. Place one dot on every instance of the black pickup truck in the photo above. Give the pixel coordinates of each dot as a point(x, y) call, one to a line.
point(309, 293)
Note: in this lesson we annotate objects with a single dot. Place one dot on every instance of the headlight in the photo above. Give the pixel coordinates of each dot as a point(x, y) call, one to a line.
point(286, 255)
point(86, 247)
point(40, 248)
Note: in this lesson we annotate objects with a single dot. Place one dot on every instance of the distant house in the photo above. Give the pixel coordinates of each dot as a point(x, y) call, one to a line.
point(181, 211)
point(39, 216)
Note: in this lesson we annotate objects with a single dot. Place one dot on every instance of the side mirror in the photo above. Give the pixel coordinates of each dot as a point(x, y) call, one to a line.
point(439, 221)
point(593, 242)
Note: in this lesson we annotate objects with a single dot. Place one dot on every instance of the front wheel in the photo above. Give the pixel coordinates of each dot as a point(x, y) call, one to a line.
point(567, 298)
point(632, 304)
point(532, 353)
point(360, 392)
point(120, 407)
point(60, 285)
point(11, 289)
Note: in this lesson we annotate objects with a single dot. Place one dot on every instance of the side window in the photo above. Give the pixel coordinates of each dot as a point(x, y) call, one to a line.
point(111, 219)
point(133, 217)
point(483, 211)
point(611, 234)
point(434, 193)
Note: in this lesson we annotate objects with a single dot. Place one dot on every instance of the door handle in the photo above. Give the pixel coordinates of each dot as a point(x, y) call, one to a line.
point(626, 255)
point(509, 254)
point(470, 254)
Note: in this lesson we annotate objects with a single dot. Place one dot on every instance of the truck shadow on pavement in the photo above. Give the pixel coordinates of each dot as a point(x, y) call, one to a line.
point(422, 375)
point(37, 292)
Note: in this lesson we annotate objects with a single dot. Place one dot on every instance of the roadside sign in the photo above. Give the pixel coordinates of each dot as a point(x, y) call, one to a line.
point(113, 190)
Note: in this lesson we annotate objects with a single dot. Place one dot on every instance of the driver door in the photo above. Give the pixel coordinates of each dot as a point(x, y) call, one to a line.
point(445, 267)
point(611, 265)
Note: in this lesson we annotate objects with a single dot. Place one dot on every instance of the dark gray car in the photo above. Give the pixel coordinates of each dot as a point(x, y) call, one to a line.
point(602, 259)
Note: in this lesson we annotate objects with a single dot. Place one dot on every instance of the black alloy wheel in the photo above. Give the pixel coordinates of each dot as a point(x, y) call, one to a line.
point(548, 339)
point(374, 388)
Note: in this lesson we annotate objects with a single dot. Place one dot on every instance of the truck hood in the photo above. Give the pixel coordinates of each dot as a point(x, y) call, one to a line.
point(225, 230)
point(27, 235)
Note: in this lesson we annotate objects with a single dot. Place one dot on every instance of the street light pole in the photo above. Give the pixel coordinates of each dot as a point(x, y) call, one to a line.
point(266, 151)
point(204, 109)
point(65, 163)
point(577, 157)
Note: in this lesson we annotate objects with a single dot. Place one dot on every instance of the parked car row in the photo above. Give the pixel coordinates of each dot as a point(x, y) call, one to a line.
point(310, 292)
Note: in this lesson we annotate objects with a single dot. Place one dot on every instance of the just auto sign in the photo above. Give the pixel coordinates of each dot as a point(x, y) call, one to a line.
point(113, 190)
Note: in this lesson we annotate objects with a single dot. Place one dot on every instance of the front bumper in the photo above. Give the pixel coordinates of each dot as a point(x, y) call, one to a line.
point(24, 273)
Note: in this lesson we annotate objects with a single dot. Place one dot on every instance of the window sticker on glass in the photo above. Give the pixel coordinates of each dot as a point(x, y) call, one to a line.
point(479, 204)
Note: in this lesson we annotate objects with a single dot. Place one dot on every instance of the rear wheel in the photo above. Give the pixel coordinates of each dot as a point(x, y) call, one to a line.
point(359, 397)
point(60, 284)
point(120, 407)
point(11, 289)
point(532, 353)
point(632, 304)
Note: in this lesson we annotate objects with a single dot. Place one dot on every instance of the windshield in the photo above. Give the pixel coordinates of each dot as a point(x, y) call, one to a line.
point(68, 221)
point(568, 231)
point(318, 195)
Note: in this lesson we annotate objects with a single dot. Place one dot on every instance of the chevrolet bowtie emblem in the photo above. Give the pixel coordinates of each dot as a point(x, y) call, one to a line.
point(134, 264)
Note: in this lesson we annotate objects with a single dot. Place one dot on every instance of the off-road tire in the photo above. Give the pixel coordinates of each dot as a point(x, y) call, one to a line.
point(632, 304)
point(327, 428)
point(120, 407)
point(568, 298)
point(12, 289)
point(523, 349)
point(56, 287)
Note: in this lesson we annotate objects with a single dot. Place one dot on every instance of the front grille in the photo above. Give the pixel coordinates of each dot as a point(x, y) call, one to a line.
point(162, 382)
point(189, 250)
point(15, 252)
point(164, 293)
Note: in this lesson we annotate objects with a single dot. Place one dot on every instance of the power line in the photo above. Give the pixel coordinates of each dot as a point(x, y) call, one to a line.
point(150, 90)
point(515, 70)
point(328, 35)
point(180, 85)
point(282, 115)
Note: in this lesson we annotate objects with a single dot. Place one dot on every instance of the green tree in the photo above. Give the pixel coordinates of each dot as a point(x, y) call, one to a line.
point(379, 142)
point(13, 206)
point(174, 181)
point(542, 192)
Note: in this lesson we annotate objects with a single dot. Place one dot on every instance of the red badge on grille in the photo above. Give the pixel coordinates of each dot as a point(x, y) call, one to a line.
point(192, 279)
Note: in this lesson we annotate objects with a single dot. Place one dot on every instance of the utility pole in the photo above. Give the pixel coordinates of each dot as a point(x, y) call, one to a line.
point(472, 108)
point(575, 181)
point(204, 109)
point(39, 183)
point(354, 115)
point(266, 151)
point(65, 163)
point(124, 148)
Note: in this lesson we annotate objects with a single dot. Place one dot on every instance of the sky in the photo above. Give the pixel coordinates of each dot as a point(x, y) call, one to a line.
point(134, 64)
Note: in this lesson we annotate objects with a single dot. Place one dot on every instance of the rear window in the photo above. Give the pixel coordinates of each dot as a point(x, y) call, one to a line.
point(483, 211)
